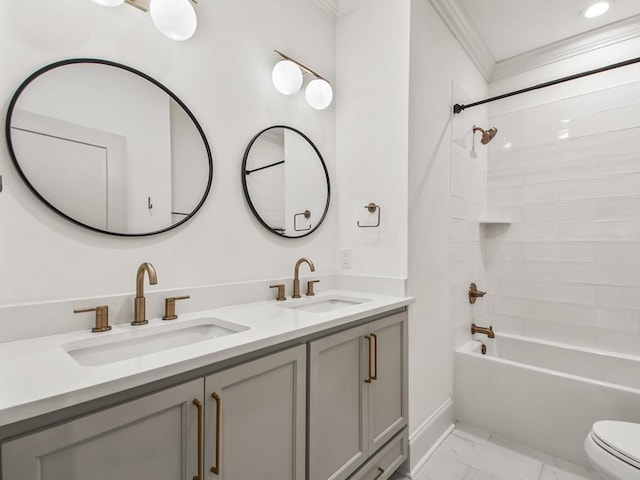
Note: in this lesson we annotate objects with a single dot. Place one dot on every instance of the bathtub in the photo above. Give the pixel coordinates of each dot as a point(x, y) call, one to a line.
point(542, 394)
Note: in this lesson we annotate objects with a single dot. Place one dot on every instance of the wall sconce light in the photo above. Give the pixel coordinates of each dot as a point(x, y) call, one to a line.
point(174, 18)
point(287, 76)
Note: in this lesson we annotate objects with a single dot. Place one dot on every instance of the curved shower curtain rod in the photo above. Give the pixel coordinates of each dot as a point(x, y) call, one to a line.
point(458, 108)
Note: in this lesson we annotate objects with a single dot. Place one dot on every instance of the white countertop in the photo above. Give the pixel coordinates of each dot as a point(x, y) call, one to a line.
point(38, 376)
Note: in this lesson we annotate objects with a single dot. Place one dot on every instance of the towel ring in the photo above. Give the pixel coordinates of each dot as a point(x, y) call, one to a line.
point(372, 207)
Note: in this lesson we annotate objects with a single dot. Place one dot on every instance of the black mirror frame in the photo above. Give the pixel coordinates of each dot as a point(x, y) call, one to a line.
point(150, 79)
point(246, 190)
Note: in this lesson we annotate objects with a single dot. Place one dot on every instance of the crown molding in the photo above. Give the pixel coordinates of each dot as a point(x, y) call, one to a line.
point(460, 24)
point(577, 45)
point(329, 6)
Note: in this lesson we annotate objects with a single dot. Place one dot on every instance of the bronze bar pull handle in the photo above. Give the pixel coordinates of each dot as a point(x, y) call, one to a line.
point(375, 356)
point(216, 468)
point(381, 470)
point(368, 380)
point(198, 405)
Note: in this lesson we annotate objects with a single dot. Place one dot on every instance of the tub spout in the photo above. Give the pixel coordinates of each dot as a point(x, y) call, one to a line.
point(487, 331)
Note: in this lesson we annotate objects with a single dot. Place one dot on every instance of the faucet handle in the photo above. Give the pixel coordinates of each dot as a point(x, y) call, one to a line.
point(102, 317)
point(170, 307)
point(310, 292)
point(281, 296)
point(474, 293)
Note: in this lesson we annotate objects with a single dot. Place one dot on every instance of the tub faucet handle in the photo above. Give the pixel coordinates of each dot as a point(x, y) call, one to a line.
point(474, 293)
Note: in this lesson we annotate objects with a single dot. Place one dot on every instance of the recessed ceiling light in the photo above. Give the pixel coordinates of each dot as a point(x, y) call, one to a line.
point(596, 9)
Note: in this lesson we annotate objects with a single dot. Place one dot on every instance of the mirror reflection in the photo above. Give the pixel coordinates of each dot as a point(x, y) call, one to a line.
point(108, 147)
point(285, 181)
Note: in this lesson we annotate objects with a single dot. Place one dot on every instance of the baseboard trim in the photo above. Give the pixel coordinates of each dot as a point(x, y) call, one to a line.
point(427, 438)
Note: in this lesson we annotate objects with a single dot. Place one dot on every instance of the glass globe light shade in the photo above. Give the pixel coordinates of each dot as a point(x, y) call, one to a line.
point(319, 94)
point(108, 3)
point(174, 18)
point(287, 77)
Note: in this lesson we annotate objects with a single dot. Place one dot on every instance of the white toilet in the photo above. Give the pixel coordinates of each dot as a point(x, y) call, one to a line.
point(613, 449)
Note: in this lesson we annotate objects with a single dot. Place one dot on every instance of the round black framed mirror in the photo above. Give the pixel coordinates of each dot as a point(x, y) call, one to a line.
point(108, 147)
point(286, 182)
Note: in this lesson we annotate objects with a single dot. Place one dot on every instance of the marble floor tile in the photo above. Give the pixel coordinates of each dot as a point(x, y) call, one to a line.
point(442, 467)
point(553, 466)
point(462, 429)
point(572, 472)
point(472, 454)
point(474, 474)
point(516, 447)
point(502, 463)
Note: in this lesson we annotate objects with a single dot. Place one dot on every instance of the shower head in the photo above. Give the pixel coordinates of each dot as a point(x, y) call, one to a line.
point(487, 135)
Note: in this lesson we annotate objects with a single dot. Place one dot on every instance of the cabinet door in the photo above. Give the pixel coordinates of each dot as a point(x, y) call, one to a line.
point(255, 419)
point(153, 437)
point(387, 392)
point(337, 420)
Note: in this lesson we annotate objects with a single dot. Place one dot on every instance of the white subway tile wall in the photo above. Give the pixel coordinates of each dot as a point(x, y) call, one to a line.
point(567, 176)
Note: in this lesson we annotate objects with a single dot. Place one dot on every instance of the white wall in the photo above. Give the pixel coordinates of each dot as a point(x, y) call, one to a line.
point(437, 60)
point(398, 60)
point(372, 132)
point(223, 75)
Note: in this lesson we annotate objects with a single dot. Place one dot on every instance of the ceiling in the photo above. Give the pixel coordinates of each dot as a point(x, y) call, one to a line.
point(510, 28)
point(507, 37)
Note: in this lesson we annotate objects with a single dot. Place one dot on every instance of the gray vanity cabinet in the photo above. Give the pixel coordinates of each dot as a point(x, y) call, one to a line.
point(338, 425)
point(255, 428)
point(255, 419)
point(388, 403)
point(154, 437)
point(246, 422)
point(357, 398)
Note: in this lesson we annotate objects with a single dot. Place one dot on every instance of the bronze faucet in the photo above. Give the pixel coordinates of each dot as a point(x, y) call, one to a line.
point(487, 331)
point(139, 306)
point(296, 275)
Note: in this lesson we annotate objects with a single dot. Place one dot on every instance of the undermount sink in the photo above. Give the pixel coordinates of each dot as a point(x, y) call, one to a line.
point(146, 340)
point(327, 304)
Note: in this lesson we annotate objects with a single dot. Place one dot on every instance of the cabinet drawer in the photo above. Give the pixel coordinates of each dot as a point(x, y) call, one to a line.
point(382, 465)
